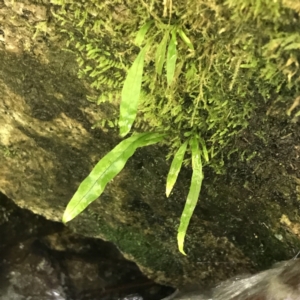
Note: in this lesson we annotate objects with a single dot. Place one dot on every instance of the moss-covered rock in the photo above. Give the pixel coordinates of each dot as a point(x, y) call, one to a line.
point(244, 54)
point(240, 80)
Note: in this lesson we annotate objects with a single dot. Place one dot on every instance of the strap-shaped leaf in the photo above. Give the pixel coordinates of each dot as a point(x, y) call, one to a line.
point(185, 39)
point(175, 168)
point(192, 199)
point(131, 93)
point(105, 170)
point(171, 57)
point(142, 32)
point(160, 54)
point(204, 149)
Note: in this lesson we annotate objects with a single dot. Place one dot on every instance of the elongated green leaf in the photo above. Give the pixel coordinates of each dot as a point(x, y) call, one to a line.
point(105, 170)
point(160, 54)
point(185, 39)
point(175, 168)
point(192, 199)
point(131, 93)
point(204, 149)
point(142, 32)
point(171, 58)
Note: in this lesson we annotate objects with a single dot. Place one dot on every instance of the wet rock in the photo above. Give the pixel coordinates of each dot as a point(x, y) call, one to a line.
point(27, 269)
point(29, 272)
point(43, 260)
point(278, 283)
point(17, 225)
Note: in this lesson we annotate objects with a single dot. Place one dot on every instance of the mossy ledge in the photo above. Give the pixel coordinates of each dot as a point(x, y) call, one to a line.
point(245, 54)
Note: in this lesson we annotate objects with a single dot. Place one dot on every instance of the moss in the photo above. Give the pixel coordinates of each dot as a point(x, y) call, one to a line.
point(7, 151)
point(245, 52)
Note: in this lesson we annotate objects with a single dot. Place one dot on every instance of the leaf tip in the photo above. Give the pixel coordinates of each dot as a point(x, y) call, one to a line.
point(181, 250)
point(168, 191)
point(180, 240)
point(66, 217)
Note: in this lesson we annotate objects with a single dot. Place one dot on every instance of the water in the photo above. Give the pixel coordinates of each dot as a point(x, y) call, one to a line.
point(282, 282)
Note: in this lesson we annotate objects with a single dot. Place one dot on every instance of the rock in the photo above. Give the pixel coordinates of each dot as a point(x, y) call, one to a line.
point(277, 283)
point(43, 260)
point(48, 146)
